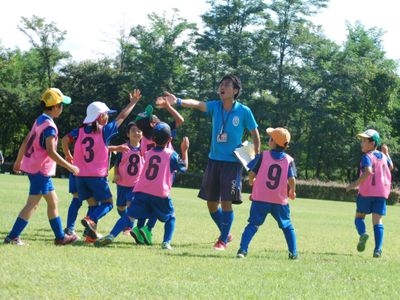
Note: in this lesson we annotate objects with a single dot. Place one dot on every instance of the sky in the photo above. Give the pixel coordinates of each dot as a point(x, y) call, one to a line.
point(92, 26)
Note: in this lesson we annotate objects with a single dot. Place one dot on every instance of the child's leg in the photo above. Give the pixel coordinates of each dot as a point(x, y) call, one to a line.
point(169, 228)
point(151, 222)
point(121, 210)
point(22, 220)
point(100, 211)
point(378, 231)
point(73, 211)
point(281, 214)
point(52, 213)
point(121, 224)
point(290, 237)
point(359, 221)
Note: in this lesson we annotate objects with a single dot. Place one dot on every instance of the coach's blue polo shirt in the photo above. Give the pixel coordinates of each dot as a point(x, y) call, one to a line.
point(239, 118)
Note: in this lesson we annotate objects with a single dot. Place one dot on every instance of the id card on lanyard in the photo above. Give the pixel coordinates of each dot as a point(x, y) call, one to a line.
point(222, 137)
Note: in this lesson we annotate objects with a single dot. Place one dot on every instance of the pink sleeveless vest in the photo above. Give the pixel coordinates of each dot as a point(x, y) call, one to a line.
point(147, 144)
point(156, 177)
point(270, 184)
point(35, 158)
point(378, 183)
point(130, 167)
point(91, 154)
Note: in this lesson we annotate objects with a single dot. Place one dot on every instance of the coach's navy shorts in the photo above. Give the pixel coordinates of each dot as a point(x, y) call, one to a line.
point(145, 206)
point(222, 181)
point(72, 184)
point(96, 187)
point(124, 194)
point(40, 184)
point(375, 205)
point(260, 210)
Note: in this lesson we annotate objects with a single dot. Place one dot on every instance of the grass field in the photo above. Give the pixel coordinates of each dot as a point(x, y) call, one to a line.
point(329, 265)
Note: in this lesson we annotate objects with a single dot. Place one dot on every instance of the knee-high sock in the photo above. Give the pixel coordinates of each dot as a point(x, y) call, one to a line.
point(247, 236)
point(360, 225)
point(226, 224)
point(57, 227)
point(169, 228)
point(378, 233)
point(18, 227)
point(217, 217)
point(151, 222)
point(123, 213)
point(101, 211)
point(121, 224)
point(73, 212)
point(290, 237)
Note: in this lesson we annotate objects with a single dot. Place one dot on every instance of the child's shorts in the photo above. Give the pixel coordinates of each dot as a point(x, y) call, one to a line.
point(260, 210)
point(96, 187)
point(40, 184)
point(375, 205)
point(145, 206)
point(124, 194)
point(72, 184)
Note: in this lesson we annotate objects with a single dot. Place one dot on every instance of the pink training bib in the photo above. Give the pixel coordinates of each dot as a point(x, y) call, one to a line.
point(156, 177)
point(379, 182)
point(271, 182)
point(91, 154)
point(130, 167)
point(35, 158)
point(147, 144)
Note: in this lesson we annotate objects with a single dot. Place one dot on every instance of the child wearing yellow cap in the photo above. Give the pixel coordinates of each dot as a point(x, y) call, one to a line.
point(38, 157)
point(373, 188)
point(270, 176)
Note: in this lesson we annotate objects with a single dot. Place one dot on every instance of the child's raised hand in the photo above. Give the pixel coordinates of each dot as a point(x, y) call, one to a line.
point(169, 97)
point(385, 149)
point(135, 96)
point(161, 102)
point(185, 144)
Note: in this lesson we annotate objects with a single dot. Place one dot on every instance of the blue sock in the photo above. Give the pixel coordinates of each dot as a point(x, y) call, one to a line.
point(123, 213)
point(101, 211)
point(378, 232)
point(121, 224)
point(226, 224)
point(217, 217)
point(360, 225)
point(247, 235)
point(73, 212)
point(290, 237)
point(91, 209)
point(18, 227)
point(169, 228)
point(57, 228)
point(140, 223)
point(151, 222)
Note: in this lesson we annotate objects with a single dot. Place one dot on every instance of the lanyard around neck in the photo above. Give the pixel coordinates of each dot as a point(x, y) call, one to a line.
point(227, 116)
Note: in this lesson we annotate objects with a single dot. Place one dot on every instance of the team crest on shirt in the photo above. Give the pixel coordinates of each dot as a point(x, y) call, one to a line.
point(235, 121)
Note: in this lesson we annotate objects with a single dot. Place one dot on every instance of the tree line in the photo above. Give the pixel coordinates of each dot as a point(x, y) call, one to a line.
point(292, 76)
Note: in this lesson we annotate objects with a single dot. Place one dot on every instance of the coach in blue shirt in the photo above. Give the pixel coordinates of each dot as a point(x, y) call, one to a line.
point(222, 179)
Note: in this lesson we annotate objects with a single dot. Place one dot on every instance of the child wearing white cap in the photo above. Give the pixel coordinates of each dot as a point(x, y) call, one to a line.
point(91, 156)
point(373, 188)
point(38, 157)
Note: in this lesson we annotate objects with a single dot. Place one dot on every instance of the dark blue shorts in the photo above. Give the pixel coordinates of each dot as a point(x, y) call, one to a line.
point(96, 187)
point(144, 206)
point(375, 205)
point(222, 181)
point(72, 184)
point(124, 194)
point(40, 184)
point(260, 210)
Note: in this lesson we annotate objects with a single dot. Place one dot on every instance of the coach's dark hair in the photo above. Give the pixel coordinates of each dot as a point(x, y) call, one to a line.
point(237, 84)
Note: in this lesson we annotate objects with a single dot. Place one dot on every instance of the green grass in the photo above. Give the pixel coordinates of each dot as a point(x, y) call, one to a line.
point(329, 265)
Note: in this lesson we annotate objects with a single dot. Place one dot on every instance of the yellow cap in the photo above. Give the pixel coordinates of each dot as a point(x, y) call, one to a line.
point(281, 136)
point(53, 96)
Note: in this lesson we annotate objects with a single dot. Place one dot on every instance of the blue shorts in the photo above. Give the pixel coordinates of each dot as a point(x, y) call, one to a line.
point(222, 181)
point(40, 184)
point(124, 194)
point(96, 187)
point(145, 206)
point(72, 184)
point(260, 210)
point(375, 205)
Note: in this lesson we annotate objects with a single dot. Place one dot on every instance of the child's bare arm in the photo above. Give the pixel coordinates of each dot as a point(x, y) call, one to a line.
point(173, 112)
point(134, 97)
point(65, 141)
point(361, 179)
point(292, 188)
point(252, 177)
point(385, 150)
point(21, 151)
point(51, 148)
point(184, 149)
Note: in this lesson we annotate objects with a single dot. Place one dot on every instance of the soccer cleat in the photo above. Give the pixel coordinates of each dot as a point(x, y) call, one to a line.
point(104, 241)
point(241, 254)
point(293, 256)
point(89, 240)
point(90, 226)
point(137, 236)
point(127, 230)
point(166, 246)
point(70, 231)
point(362, 241)
point(377, 253)
point(219, 245)
point(147, 235)
point(15, 241)
point(68, 239)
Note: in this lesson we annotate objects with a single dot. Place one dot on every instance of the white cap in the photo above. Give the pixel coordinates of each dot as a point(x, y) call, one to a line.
point(94, 110)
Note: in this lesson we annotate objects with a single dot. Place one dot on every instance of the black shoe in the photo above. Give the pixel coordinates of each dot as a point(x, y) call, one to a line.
point(241, 254)
point(293, 256)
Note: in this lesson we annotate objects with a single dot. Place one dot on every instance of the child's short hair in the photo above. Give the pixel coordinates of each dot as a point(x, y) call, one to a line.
point(237, 84)
point(372, 135)
point(161, 133)
point(281, 137)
